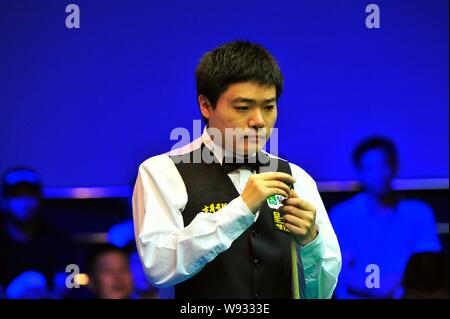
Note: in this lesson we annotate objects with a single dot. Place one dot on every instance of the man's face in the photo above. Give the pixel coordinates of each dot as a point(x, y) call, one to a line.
point(375, 172)
point(113, 277)
point(249, 107)
point(21, 208)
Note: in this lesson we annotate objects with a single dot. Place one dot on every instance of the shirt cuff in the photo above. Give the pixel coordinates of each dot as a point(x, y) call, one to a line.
point(244, 208)
point(312, 252)
point(235, 218)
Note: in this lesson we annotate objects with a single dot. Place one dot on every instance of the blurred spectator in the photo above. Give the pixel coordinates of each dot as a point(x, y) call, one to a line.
point(26, 241)
point(60, 289)
point(377, 229)
point(122, 235)
point(109, 272)
point(426, 276)
point(28, 285)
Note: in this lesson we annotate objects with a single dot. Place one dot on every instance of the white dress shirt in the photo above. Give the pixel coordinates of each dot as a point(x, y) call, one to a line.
point(172, 252)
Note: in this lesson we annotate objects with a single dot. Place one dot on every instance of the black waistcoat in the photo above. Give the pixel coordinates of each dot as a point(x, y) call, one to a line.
point(257, 264)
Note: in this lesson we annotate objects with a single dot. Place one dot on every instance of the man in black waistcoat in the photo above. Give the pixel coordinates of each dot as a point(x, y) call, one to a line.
point(220, 217)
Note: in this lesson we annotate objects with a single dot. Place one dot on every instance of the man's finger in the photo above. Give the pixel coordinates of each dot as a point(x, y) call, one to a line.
point(277, 184)
point(294, 220)
point(292, 201)
point(280, 176)
point(294, 194)
point(296, 201)
point(295, 230)
point(292, 210)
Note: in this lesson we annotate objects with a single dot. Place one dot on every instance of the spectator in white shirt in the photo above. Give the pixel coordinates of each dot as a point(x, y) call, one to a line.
point(379, 230)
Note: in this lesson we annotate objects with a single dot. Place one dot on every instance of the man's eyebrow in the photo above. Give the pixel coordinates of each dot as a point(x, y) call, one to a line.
point(271, 100)
point(253, 101)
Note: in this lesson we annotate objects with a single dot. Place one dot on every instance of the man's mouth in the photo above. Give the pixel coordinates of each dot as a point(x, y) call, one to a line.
point(254, 138)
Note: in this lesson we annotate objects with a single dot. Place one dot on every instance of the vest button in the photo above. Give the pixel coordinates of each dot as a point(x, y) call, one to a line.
point(254, 233)
point(256, 262)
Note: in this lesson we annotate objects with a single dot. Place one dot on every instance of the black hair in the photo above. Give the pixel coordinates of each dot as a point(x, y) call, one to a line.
point(236, 62)
point(426, 272)
point(21, 180)
point(376, 142)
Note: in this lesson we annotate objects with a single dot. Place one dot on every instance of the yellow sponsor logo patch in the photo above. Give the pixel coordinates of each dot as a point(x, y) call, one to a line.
point(213, 207)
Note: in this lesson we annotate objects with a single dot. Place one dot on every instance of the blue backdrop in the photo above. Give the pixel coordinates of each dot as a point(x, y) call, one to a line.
point(86, 106)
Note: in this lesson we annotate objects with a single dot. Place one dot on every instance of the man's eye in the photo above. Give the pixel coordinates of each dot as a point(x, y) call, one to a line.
point(269, 107)
point(241, 108)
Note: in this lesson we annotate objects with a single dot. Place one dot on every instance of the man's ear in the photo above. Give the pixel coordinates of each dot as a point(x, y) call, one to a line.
point(205, 106)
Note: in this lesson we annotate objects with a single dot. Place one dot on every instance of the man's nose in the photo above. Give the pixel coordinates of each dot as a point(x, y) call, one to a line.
point(256, 118)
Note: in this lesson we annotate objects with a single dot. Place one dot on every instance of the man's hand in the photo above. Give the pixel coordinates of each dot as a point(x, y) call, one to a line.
point(299, 218)
point(260, 186)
